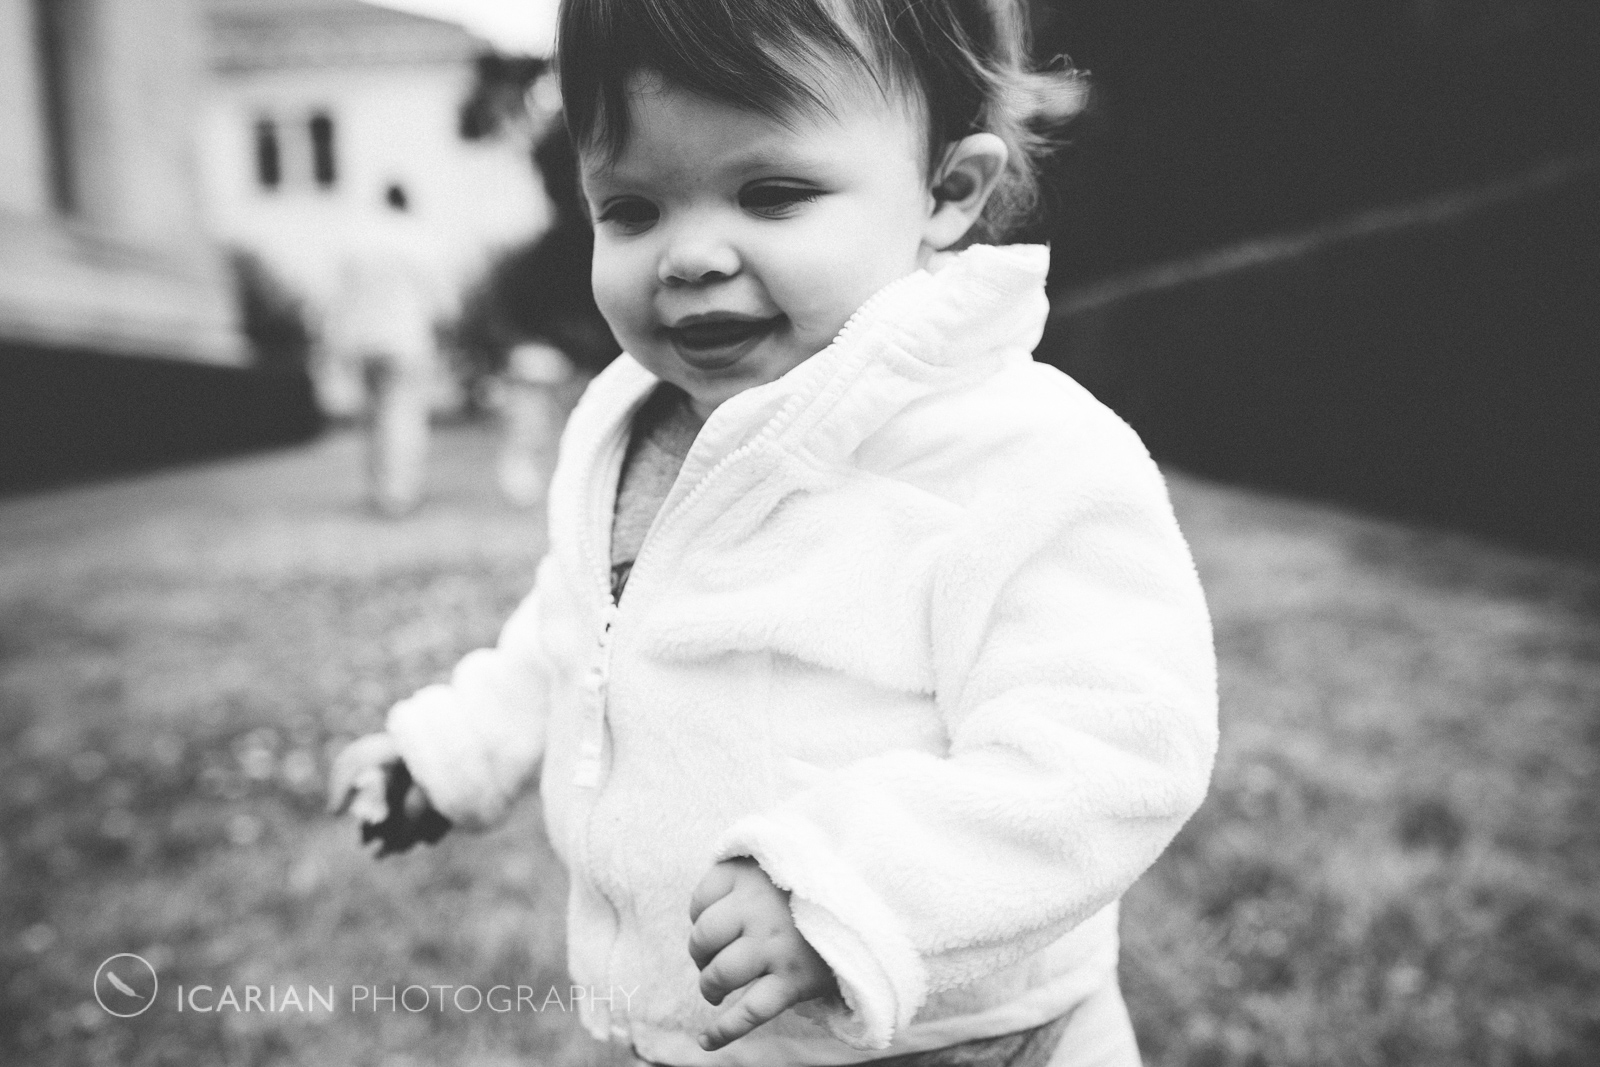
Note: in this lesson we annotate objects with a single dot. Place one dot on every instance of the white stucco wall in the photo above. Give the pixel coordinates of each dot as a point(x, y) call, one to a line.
point(393, 124)
point(128, 269)
point(24, 168)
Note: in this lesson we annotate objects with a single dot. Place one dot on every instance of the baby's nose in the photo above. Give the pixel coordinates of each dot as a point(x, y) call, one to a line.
point(695, 256)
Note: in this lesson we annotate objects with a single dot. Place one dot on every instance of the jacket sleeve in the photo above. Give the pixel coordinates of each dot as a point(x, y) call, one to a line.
point(476, 741)
point(1074, 669)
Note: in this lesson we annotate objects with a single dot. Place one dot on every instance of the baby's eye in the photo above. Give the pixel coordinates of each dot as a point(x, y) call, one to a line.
point(631, 214)
point(776, 200)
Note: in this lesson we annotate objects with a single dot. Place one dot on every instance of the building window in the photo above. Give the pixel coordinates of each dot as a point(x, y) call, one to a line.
point(324, 165)
point(269, 161)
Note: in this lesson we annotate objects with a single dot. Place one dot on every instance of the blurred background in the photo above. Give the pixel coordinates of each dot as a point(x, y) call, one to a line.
point(1339, 264)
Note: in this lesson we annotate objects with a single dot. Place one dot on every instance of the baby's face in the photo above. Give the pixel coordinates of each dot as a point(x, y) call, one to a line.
point(729, 247)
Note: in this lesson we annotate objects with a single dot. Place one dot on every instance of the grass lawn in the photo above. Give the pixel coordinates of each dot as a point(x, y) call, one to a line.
point(1396, 865)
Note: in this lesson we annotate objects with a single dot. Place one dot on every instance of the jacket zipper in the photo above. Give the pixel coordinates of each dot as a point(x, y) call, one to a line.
point(588, 771)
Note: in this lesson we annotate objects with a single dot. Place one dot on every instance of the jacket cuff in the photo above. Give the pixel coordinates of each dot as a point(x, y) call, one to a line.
point(882, 979)
point(439, 752)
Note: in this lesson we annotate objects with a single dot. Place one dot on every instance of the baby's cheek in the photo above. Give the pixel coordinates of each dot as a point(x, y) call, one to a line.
point(819, 300)
point(621, 302)
point(836, 300)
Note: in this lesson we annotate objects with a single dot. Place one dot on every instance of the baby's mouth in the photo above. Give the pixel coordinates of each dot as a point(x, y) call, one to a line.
point(718, 340)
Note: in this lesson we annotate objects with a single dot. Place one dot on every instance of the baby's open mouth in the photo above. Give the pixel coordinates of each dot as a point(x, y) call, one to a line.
point(721, 338)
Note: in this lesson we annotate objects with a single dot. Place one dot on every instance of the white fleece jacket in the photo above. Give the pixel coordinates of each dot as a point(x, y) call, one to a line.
point(915, 629)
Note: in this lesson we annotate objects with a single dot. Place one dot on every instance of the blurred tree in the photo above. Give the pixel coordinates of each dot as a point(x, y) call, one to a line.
point(274, 319)
point(540, 291)
point(499, 94)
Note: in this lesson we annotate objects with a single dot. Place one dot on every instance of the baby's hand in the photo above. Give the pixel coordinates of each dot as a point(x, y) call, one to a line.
point(744, 937)
point(372, 782)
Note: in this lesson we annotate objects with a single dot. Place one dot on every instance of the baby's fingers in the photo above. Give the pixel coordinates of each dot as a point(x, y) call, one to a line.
point(716, 928)
point(762, 1001)
point(366, 800)
point(734, 968)
point(717, 883)
point(346, 778)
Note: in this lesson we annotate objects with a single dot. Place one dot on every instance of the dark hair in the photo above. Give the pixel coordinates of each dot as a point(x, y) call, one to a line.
point(965, 60)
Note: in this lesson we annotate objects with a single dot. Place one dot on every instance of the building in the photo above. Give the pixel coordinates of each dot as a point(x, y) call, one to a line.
point(325, 114)
point(102, 247)
point(120, 338)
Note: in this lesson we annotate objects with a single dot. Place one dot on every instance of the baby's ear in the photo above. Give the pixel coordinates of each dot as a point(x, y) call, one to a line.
point(968, 174)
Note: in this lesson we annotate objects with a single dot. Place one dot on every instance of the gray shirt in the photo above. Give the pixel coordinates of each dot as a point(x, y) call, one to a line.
point(663, 430)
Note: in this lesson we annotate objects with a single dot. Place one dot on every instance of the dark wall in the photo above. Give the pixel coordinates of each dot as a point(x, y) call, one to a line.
point(68, 414)
point(1448, 371)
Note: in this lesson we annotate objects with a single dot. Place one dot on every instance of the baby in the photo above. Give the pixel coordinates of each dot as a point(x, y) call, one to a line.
point(867, 667)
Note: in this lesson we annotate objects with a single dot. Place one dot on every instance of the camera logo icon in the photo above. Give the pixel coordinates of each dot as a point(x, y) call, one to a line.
point(125, 985)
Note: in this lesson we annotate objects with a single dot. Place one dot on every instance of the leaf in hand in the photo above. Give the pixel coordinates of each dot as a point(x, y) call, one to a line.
point(400, 829)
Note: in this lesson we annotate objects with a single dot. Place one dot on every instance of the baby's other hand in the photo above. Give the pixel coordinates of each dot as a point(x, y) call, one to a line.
point(372, 783)
point(744, 937)
point(359, 780)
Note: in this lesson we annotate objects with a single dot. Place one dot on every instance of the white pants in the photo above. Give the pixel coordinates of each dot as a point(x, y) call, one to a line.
point(535, 396)
point(397, 434)
point(1098, 1034)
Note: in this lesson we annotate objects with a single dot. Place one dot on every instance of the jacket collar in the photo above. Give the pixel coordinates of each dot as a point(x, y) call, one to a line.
point(947, 321)
point(955, 320)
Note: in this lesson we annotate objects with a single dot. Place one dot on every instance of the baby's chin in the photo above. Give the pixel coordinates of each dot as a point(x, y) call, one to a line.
point(709, 390)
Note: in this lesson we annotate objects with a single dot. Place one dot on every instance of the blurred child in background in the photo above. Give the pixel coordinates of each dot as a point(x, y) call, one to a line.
point(379, 336)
